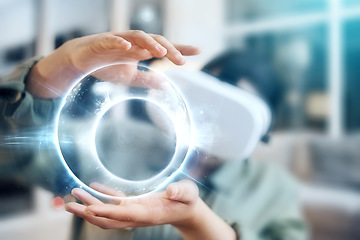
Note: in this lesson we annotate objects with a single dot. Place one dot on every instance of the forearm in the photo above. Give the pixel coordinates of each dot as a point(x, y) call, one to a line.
point(205, 224)
point(52, 76)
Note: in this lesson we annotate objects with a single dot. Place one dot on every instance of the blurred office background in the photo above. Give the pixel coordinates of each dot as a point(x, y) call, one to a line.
point(314, 45)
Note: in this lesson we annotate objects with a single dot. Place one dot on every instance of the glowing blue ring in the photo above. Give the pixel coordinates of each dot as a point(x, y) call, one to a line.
point(113, 175)
point(178, 129)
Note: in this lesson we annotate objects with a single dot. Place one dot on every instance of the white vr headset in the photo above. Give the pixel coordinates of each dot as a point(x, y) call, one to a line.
point(227, 121)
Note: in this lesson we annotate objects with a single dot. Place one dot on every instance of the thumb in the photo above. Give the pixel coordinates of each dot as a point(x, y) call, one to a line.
point(184, 191)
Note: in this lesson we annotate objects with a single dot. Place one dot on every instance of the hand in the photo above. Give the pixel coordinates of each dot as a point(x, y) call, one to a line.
point(175, 206)
point(179, 206)
point(53, 75)
point(91, 52)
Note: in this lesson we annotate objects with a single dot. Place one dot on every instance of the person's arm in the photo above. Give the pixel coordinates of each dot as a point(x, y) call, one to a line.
point(53, 75)
point(180, 206)
point(22, 121)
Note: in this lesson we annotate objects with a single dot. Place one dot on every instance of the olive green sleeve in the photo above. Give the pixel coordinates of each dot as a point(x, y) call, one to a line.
point(260, 200)
point(23, 122)
point(18, 108)
point(285, 219)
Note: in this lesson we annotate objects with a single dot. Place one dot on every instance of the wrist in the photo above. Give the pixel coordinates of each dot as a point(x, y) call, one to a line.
point(203, 223)
point(193, 220)
point(52, 76)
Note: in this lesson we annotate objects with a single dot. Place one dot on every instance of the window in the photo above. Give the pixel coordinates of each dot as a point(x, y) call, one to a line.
point(319, 42)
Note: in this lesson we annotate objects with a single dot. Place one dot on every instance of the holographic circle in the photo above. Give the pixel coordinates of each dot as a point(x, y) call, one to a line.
point(125, 127)
point(134, 161)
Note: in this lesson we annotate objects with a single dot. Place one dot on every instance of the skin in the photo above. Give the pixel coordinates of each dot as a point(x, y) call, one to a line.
point(53, 75)
point(180, 205)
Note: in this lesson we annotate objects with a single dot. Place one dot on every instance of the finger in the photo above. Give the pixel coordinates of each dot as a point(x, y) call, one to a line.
point(105, 223)
point(79, 210)
point(138, 54)
point(108, 191)
point(85, 197)
point(184, 191)
point(187, 50)
point(75, 208)
point(111, 41)
point(145, 41)
point(128, 74)
point(148, 80)
point(173, 54)
point(116, 212)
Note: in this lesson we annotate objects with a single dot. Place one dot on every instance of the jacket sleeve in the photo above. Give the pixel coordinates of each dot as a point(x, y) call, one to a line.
point(284, 218)
point(260, 200)
point(24, 151)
